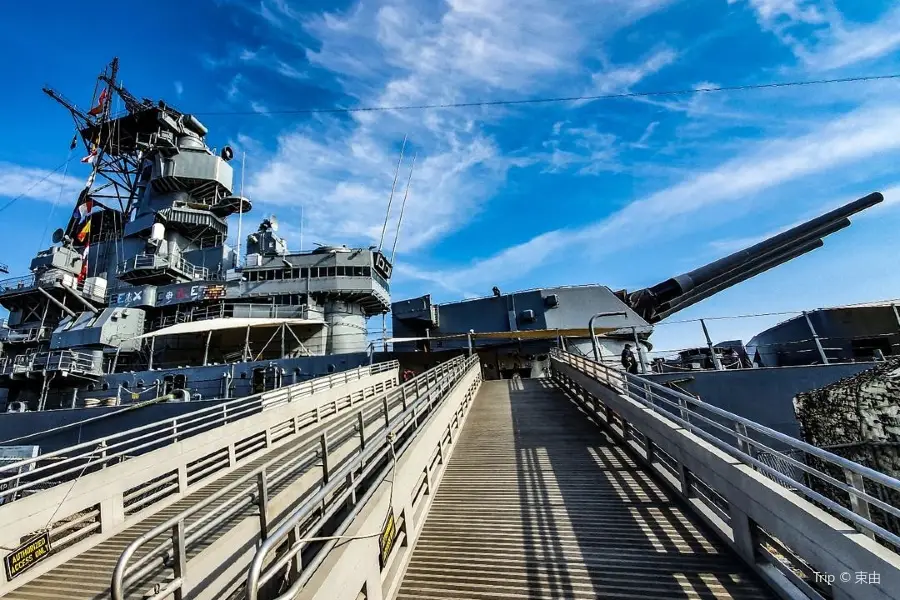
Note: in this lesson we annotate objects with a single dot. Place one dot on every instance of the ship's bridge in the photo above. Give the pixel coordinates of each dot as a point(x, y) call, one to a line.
point(585, 483)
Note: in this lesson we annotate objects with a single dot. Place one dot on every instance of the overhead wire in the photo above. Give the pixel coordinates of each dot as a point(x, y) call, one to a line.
point(37, 183)
point(553, 100)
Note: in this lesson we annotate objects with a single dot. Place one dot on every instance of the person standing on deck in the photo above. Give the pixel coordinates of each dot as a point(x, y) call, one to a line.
point(628, 360)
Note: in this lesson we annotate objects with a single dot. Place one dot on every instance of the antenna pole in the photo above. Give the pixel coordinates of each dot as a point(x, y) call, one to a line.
point(391, 198)
point(403, 206)
point(241, 211)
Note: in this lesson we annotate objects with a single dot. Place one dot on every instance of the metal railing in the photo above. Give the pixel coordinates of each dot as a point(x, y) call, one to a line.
point(341, 445)
point(751, 440)
point(16, 283)
point(342, 484)
point(49, 280)
point(71, 361)
point(155, 261)
point(815, 475)
point(64, 464)
point(203, 313)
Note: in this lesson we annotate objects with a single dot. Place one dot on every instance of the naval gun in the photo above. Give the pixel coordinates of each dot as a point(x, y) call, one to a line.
point(656, 303)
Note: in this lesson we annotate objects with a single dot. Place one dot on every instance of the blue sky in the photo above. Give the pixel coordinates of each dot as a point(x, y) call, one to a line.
point(620, 192)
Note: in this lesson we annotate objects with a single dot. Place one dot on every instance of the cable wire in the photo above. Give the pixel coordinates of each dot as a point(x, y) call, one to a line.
point(620, 95)
point(37, 183)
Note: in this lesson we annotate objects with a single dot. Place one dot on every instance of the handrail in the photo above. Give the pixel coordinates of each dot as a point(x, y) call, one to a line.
point(287, 530)
point(685, 408)
point(78, 458)
point(245, 490)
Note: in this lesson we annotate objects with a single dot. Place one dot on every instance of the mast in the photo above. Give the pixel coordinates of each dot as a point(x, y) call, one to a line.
point(391, 197)
point(237, 259)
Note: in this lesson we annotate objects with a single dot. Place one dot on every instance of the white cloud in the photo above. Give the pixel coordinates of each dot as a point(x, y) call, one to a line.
point(645, 137)
point(289, 71)
point(821, 37)
point(622, 78)
point(234, 87)
point(395, 52)
point(179, 88)
point(862, 134)
point(587, 149)
point(259, 108)
point(36, 184)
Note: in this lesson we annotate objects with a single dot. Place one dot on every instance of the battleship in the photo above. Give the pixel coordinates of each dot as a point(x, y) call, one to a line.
point(158, 441)
point(139, 296)
point(140, 299)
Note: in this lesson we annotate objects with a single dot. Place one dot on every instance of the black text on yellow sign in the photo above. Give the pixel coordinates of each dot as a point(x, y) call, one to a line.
point(27, 555)
point(388, 536)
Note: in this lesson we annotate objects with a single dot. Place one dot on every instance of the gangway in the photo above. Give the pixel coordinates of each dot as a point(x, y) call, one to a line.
point(595, 483)
point(91, 499)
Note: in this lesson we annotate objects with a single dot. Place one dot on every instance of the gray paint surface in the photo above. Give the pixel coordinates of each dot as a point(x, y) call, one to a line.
point(762, 395)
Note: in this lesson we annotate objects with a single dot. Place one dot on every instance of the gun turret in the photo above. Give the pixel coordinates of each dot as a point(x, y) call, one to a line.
point(668, 297)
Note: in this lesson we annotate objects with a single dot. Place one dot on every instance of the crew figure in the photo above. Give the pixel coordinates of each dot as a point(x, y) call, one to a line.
point(628, 360)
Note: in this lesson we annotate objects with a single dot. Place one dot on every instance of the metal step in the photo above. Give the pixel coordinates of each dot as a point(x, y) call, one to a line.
point(537, 502)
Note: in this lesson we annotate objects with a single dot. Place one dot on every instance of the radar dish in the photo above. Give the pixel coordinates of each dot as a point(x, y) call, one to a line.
point(58, 236)
point(273, 222)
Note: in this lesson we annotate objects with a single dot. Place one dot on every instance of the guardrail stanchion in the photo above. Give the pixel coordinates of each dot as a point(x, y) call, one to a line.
point(740, 441)
point(403, 397)
point(180, 558)
point(387, 414)
point(360, 423)
point(323, 444)
point(262, 500)
point(859, 505)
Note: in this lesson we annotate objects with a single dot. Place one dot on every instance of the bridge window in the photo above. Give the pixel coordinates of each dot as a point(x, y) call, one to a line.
point(332, 271)
point(304, 273)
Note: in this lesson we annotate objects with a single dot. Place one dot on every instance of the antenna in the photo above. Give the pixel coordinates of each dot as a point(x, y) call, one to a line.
point(402, 206)
point(237, 260)
point(391, 198)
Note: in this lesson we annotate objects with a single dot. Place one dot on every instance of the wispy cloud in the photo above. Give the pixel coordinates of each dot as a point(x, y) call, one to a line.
point(392, 53)
point(179, 88)
point(645, 137)
point(233, 91)
point(36, 184)
point(622, 78)
point(259, 108)
point(842, 142)
point(822, 37)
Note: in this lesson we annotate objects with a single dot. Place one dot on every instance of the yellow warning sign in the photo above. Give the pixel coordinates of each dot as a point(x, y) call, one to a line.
point(27, 555)
point(388, 536)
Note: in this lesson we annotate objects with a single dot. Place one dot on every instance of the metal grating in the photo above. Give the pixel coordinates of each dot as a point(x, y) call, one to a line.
point(537, 502)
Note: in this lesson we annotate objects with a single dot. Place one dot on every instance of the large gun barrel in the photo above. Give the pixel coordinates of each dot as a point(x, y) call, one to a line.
point(679, 292)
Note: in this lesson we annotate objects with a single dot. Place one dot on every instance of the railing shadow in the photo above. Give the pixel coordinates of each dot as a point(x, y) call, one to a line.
point(597, 525)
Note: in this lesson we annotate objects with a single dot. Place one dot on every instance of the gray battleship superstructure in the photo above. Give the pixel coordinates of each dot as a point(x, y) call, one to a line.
point(514, 332)
point(140, 296)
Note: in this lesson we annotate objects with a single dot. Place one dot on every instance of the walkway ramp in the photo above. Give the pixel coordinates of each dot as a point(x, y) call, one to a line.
point(206, 475)
point(537, 502)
